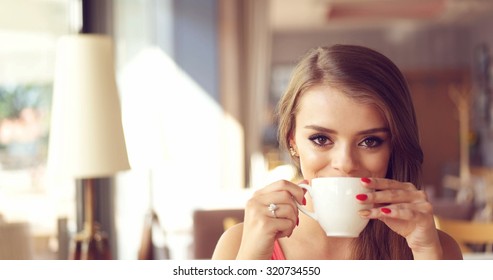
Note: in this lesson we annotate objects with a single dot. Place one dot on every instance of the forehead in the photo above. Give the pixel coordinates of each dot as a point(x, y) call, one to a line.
point(330, 107)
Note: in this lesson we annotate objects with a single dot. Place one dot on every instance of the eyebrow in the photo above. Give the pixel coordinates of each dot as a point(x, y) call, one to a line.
point(366, 131)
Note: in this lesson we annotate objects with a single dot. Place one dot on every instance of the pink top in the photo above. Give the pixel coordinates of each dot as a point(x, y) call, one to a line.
point(277, 253)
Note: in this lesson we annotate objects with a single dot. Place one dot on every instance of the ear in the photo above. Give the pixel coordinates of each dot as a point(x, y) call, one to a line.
point(291, 141)
point(293, 150)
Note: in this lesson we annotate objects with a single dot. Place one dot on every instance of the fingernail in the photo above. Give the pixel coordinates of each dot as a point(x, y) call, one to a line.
point(297, 221)
point(304, 201)
point(362, 197)
point(385, 210)
point(366, 180)
point(364, 213)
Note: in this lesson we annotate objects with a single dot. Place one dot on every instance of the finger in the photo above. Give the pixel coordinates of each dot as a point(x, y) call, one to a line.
point(283, 185)
point(265, 225)
point(407, 211)
point(394, 196)
point(283, 211)
point(284, 227)
point(280, 198)
point(403, 211)
point(280, 218)
point(386, 184)
point(258, 209)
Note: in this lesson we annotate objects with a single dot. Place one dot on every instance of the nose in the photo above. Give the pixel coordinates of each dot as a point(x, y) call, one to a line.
point(344, 160)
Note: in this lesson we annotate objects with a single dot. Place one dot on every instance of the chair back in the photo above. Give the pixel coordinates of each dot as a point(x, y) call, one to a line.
point(15, 241)
point(208, 226)
point(467, 233)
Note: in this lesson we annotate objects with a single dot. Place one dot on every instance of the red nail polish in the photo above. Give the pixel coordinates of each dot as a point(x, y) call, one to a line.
point(362, 197)
point(385, 210)
point(366, 180)
point(304, 201)
point(297, 221)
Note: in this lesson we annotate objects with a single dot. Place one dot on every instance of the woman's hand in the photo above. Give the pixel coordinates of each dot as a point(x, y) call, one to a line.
point(261, 226)
point(407, 211)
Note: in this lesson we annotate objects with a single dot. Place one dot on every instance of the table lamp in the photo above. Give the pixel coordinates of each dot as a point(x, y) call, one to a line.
point(86, 135)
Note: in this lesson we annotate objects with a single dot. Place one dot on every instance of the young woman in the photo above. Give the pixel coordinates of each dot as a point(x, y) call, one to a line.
point(347, 112)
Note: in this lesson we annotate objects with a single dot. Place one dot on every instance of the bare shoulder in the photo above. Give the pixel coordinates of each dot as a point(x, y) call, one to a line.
point(229, 243)
point(450, 247)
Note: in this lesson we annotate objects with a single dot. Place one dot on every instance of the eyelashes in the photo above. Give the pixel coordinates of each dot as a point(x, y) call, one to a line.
point(320, 140)
point(369, 142)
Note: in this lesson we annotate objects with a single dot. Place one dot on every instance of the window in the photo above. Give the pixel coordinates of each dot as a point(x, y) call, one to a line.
point(29, 30)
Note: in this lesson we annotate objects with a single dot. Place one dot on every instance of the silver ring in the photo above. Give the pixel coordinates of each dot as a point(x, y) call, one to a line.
point(272, 208)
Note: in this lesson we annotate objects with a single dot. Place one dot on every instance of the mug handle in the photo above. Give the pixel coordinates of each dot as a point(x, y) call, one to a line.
point(302, 208)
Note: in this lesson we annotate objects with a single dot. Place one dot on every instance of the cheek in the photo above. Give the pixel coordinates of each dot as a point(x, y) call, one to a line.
point(377, 164)
point(311, 162)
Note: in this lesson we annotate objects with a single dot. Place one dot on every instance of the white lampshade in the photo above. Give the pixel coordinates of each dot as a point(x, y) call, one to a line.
point(86, 135)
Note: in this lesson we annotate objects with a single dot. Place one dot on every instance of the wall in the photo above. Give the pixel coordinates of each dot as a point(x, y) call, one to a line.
point(437, 121)
point(481, 34)
point(424, 48)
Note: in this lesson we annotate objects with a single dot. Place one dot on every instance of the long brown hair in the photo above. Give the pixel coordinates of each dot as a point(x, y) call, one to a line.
point(370, 77)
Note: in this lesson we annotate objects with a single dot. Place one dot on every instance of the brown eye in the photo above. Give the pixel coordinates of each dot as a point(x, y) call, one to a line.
point(371, 142)
point(320, 140)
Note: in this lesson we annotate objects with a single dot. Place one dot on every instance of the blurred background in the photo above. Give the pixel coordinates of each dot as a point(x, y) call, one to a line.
point(198, 83)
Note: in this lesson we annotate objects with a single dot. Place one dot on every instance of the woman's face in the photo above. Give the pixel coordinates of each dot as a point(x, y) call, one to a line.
point(337, 136)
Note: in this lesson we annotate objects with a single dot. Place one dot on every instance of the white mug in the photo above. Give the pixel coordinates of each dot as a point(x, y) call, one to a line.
point(335, 205)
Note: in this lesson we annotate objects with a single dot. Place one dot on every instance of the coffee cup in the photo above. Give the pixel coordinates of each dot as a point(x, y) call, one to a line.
point(335, 206)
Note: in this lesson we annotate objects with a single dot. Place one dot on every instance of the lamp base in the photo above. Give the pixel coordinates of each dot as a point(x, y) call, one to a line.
point(90, 244)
